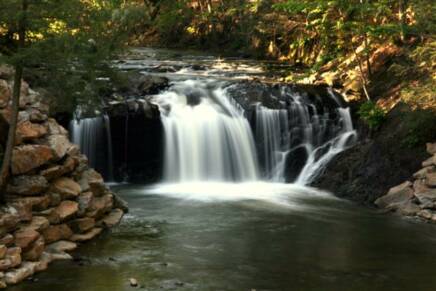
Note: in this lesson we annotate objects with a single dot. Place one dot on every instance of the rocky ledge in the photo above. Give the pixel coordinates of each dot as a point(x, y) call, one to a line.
point(55, 201)
point(416, 197)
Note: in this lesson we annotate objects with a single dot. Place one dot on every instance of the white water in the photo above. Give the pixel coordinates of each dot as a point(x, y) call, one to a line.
point(89, 134)
point(207, 137)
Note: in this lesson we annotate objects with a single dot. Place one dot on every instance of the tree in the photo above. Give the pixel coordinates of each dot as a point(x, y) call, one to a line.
point(68, 41)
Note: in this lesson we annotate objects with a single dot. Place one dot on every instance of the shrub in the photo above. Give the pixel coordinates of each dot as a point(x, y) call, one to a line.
point(372, 114)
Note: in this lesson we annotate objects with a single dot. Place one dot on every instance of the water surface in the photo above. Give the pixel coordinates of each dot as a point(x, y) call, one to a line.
point(279, 238)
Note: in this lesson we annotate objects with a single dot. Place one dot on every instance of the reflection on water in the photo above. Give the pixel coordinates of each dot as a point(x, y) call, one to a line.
point(169, 243)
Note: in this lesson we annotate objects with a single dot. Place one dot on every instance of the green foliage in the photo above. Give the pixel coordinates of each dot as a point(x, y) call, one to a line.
point(421, 128)
point(371, 114)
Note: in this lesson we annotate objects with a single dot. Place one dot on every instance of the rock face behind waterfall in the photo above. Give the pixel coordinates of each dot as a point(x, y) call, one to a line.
point(54, 200)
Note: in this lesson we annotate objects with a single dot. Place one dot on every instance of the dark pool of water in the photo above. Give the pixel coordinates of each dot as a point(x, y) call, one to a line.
point(173, 244)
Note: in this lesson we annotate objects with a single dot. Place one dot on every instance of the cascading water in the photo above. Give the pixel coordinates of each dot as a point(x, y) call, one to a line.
point(207, 137)
point(93, 136)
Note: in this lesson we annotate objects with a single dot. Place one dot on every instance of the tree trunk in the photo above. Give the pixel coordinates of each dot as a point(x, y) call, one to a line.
point(5, 168)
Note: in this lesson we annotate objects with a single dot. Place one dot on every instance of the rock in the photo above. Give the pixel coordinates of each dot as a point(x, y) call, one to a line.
point(8, 222)
point(86, 236)
point(422, 173)
point(100, 205)
point(397, 194)
point(419, 186)
point(66, 187)
point(6, 72)
point(14, 256)
point(112, 219)
point(35, 115)
point(84, 200)
point(28, 131)
point(426, 214)
point(55, 199)
point(5, 93)
point(3, 284)
point(37, 203)
point(59, 144)
point(35, 251)
point(431, 148)
point(82, 225)
point(27, 269)
point(3, 250)
point(61, 246)
point(133, 282)
point(120, 203)
point(43, 262)
point(38, 223)
point(91, 180)
point(23, 209)
point(7, 239)
point(64, 211)
point(54, 128)
point(148, 84)
point(52, 172)
point(428, 162)
point(29, 157)
point(57, 232)
point(24, 238)
point(409, 208)
point(430, 180)
point(430, 195)
point(27, 185)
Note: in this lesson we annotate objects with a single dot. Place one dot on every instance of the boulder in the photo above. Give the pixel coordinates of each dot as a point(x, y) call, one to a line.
point(64, 211)
point(36, 116)
point(27, 185)
point(34, 252)
point(15, 276)
point(57, 232)
point(92, 180)
point(28, 131)
point(82, 225)
point(409, 208)
point(38, 223)
point(7, 239)
point(3, 250)
point(428, 162)
point(37, 203)
point(120, 203)
point(52, 172)
point(25, 237)
point(430, 180)
point(422, 173)
point(398, 194)
point(66, 187)
point(23, 209)
point(59, 144)
point(86, 236)
point(112, 219)
point(8, 222)
point(61, 246)
point(29, 157)
point(419, 186)
point(100, 205)
point(14, 256)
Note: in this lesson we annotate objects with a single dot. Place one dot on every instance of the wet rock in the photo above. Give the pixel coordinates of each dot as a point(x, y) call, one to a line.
point(133, 282)
point(57, 232)
point(25, 237)
point(149, 85)
point(422, 173)
point(26, 269)
point(38, 223)
point(14, 256)
point(8, 221)
point(66, 187)
point(37, 203)
point(27, 185)
point(34, 252)
point(428, 162)
point(82, 225)
point(100, 205)
point(52, 172)
point(86, 236)
point(28, 131)
point(93, 181)
point(397, 194)
point(36, 116)
point(419, 186)
point(409, 209)
point(425, 214)
point(61, 247)
point(59, 144)
point(29, 157)
point(120, 203)
point(112, 219)
point(55, 199)
point(64, 211)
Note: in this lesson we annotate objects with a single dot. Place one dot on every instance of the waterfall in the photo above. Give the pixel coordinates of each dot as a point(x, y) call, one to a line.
point(272, 136)
point(93, 136)
point(207, 137)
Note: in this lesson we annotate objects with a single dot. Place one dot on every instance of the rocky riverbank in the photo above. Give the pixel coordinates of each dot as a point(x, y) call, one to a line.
point(54, 200)
point(416, 196)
